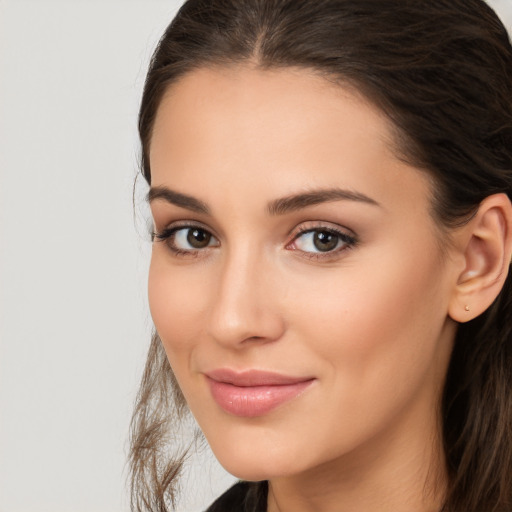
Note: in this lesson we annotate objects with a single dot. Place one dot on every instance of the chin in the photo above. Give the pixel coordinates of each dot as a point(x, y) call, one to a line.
point(248, 474)
point(254, 470)
point(254, 461)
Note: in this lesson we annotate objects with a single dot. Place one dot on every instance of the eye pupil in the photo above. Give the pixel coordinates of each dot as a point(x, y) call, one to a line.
point(198, 238)
point(325, 241)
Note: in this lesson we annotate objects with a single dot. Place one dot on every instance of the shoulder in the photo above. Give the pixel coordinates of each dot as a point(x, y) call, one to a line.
point(242, 497)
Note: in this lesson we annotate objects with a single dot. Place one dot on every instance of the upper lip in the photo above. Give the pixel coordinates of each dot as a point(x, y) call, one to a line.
point(248, 378)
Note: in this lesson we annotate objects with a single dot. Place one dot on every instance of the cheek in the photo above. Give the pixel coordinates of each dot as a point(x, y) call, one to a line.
point(376, 323)
point(175, 304)
point(375, 337)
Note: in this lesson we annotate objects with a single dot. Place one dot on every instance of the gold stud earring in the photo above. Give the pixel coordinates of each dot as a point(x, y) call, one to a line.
point(466, 307)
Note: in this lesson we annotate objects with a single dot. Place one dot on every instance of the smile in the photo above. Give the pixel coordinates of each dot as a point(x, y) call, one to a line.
point(253, 393)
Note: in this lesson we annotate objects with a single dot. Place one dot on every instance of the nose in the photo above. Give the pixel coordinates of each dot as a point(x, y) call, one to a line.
point(244, 308)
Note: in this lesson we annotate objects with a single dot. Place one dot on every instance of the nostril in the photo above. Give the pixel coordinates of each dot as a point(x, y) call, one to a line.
point(255, 338)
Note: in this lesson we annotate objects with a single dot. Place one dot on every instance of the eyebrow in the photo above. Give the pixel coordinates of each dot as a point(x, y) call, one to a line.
point(279, 206)
point(178, 199)
point(299, 201)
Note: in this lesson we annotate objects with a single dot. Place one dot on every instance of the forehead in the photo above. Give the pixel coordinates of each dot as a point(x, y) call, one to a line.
point(232, 101)
point(287, 128)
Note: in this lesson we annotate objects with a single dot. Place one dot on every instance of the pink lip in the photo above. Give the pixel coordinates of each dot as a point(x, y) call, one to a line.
point(253, 393)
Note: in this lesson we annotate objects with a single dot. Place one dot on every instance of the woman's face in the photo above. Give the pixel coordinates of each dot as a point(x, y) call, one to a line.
point(297, 279)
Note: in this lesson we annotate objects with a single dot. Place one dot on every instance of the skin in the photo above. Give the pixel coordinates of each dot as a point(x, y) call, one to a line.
point(369, 322)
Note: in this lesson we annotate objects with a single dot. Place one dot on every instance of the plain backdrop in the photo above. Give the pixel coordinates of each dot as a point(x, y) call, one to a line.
point(74, 321)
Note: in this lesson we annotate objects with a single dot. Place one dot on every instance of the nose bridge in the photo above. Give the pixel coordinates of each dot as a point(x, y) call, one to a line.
point(242, 309)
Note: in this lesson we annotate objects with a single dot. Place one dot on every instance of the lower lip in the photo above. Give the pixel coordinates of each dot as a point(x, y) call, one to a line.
point(254, 401)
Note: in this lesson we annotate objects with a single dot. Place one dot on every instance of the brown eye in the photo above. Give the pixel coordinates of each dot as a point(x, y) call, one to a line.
point(187, 239)
point(325, 240)
point(322, 240)
point(198, 238)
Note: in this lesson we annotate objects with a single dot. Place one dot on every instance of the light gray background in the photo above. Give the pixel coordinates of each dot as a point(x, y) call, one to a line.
point(74, 322)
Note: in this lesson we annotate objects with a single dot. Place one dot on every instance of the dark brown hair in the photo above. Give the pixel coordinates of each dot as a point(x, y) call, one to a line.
point(441, 70)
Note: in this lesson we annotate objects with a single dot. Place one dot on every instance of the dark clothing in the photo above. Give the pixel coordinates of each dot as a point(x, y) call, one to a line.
point(242, 497)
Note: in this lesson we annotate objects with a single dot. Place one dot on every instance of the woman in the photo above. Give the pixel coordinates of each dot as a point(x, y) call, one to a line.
point(330, 183)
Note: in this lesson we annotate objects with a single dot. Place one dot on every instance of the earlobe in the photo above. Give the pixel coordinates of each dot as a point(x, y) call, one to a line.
point(486, 243)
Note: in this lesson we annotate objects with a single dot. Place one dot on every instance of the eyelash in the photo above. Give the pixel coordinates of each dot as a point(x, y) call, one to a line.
point(168, 234)
point(349, 241)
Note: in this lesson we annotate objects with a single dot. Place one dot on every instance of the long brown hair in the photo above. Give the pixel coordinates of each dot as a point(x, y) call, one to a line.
point(441, 70)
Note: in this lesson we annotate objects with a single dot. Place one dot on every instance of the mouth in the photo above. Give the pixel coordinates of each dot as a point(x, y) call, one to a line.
point(254, 393)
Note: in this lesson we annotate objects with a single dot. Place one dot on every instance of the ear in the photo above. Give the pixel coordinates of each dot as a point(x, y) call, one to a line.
point(486, 245)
